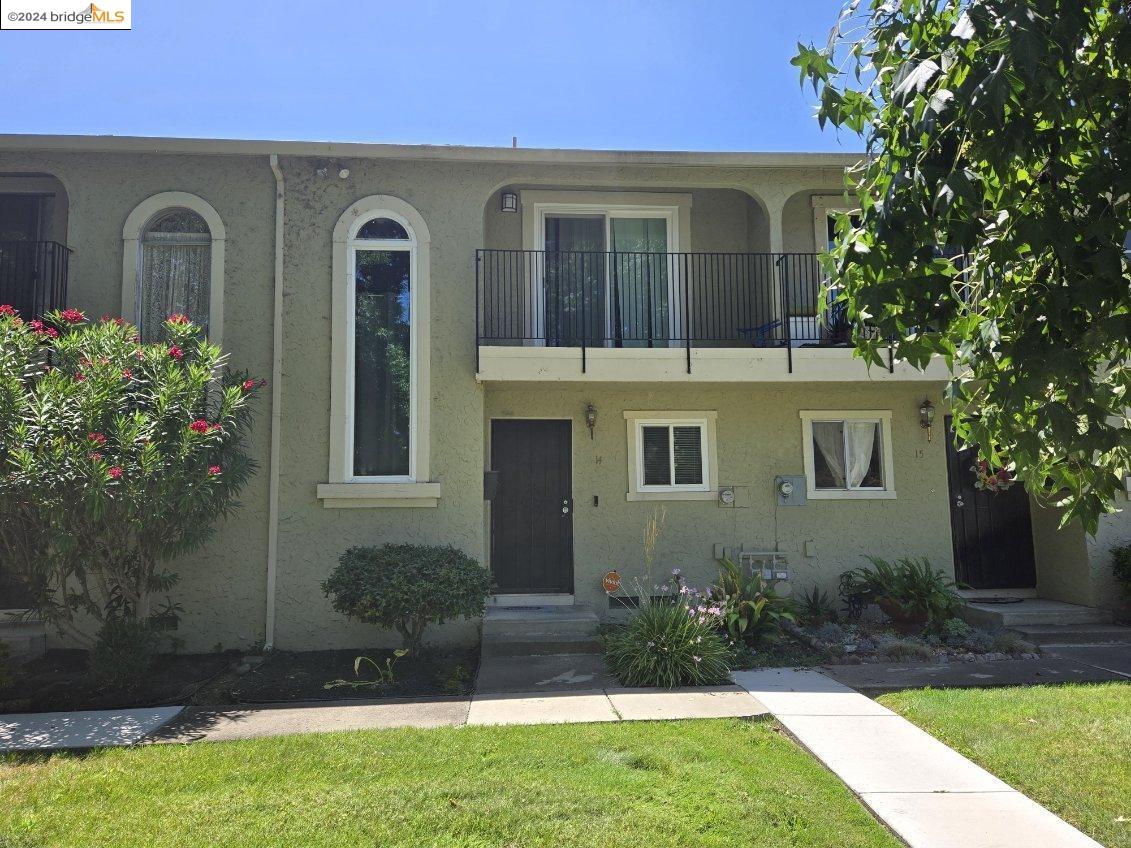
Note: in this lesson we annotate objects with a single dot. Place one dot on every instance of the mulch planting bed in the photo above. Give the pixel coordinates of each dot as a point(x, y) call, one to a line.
point(59, 681)
point(329, 675)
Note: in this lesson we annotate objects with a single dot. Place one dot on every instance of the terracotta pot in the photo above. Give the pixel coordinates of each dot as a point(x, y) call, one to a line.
point(902, 621)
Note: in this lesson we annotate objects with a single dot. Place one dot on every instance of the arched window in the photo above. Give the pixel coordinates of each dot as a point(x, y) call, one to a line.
point(173, 263)
point(379, 374)
point(173, 275)
point(382, 258)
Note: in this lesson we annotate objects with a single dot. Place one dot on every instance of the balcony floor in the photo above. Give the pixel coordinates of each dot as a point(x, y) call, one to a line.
point(669, 365)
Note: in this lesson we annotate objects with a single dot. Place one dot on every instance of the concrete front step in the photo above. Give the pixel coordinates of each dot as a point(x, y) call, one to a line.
point(519, 631)
point(25, 640)
point(1033, 611)
point(1075, 634)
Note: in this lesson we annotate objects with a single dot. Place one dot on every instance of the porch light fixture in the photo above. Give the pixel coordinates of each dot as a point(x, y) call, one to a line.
point(510, 201)
point(927, 416)
point(590, 418)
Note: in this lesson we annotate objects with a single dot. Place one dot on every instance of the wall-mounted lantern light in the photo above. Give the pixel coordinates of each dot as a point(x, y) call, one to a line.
point(510, 201)
point(590, 418)
point(927, 416)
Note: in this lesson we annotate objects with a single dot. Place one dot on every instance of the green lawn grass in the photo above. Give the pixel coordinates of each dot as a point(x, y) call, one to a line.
point(1068, 747)
point(702, 783)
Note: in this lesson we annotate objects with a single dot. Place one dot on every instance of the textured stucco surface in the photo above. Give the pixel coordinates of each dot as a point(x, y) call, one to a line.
point(1114, 531)
point(758, 437)
point(759, 434)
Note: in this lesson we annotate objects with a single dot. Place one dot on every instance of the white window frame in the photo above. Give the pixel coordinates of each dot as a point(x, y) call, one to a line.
point(823, 208)
point(136, 222)
point(705, 420)
point(887, 464)
point(346, 489)
point(674, 209)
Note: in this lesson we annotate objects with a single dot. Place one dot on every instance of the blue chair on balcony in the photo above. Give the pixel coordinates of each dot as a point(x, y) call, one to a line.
point(758, 335)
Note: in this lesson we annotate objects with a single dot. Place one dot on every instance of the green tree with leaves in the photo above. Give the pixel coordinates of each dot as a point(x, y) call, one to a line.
point(994, 204)
point(116, 456)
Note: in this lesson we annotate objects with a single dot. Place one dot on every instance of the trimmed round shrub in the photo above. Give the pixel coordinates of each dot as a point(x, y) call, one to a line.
point(407, 587)
point(667, 645)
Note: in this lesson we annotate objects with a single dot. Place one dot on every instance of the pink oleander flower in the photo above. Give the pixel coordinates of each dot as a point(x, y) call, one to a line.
point(94, 456)
point(214, 470)
point(127, 374)
point(178, 319)
point(97, 438)
point(115, 472)
point(72, 316)
point(7, 309)
point(176, 353)
point(248, 385)
point(200, 426)
point(80, 377)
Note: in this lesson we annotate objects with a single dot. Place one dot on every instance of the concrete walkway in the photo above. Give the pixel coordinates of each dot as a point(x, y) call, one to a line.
point(497, 708)
point(79, 730)
point(927, 793)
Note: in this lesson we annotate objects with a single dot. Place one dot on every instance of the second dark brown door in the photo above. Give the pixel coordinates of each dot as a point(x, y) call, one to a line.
point(992, 531)
point(532, 510)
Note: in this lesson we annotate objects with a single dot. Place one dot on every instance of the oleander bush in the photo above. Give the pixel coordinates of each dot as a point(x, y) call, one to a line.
point(116, 456)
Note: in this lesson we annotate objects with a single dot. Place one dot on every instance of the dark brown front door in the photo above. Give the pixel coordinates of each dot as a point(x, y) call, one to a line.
point(992, 531)
point(532, 510)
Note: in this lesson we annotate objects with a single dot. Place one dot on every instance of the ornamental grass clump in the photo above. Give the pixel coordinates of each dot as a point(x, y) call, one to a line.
point(116, 456)
point(669, 644)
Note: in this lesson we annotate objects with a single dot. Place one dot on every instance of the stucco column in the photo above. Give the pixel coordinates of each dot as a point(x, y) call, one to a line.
point(775, 206)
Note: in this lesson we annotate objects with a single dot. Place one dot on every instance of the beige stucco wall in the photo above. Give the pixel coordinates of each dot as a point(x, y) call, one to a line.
point(758, 437)
point(1114, 531)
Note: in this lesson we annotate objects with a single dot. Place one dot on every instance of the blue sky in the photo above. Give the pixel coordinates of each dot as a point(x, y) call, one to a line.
point(635, 74)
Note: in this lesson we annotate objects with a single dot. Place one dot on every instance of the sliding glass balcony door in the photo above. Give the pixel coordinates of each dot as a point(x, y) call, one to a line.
point(606, 280)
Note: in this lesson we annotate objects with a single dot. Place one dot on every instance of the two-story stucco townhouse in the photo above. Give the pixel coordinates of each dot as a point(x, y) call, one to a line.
point(523, 353)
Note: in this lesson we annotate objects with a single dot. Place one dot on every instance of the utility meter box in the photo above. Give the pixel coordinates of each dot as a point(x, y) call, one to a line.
point(790, 490)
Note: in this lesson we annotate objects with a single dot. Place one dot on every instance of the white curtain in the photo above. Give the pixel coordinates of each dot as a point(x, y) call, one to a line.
point(860, 443)
point(175, 279)
point(828, 436)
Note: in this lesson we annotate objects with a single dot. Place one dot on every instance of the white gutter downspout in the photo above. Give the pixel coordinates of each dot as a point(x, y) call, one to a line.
point(276, 412)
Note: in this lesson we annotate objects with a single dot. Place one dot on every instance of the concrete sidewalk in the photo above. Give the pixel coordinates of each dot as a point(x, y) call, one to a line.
point(80, 730)
point(927, 793)
point(497, 708)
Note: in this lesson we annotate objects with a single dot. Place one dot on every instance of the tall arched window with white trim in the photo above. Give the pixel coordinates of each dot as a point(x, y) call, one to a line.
point(174, 271)
point(382, 279)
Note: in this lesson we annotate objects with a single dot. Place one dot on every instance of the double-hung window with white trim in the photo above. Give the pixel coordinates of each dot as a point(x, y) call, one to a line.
point(848, 454)
point(671, 456)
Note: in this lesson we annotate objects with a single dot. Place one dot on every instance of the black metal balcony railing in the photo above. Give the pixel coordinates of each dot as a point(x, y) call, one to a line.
point(592, 299)
point(33, 276)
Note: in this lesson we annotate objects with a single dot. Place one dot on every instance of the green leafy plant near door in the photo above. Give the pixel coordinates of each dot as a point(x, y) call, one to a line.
point(406, 588)
point(751, 609)
point(911, 592)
